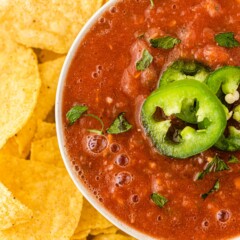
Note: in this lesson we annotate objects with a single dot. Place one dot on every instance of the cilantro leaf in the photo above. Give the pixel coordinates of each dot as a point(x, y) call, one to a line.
point(233, 159)
point(100, 132)
point(215, 165)
point(166, 42)
point(145, 61)
point(212, 190)
point(227, 40)
point(119, 125)
point(158, 199)
point(75, 113)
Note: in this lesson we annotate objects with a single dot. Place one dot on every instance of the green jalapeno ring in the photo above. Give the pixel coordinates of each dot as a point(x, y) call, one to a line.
point(211, 118)
point(184, 69)
point(225, 81)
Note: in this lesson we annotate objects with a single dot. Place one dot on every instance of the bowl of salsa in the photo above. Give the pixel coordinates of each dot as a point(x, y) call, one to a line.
point(148, 114)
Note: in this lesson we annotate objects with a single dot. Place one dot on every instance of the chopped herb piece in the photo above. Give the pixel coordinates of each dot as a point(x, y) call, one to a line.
point(226, 40)
point(100, 132)
point(75, 113)
point(119, 125)
point(158, 199)
point(233, 159)
point(152, 3)
point(215, 165)
point(164, 42)
point(145, 61)
point(212, 190)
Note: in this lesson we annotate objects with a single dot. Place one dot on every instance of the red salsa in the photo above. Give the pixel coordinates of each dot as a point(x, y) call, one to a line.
point(116, 68)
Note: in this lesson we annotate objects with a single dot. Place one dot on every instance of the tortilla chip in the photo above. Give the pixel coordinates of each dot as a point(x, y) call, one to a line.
point(113, 237)
point(51, 25)
point(110, 230)
point(45, 55)
point(49, 73)
point(12, 211)
point(81, 235)
point(49, 192)
point(46, 150)
point(91, 219)
point(19, 86)
point(45, 130)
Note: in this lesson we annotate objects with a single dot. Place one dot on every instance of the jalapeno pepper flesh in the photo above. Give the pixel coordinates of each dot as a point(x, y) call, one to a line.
point(225, 81)
point(210, 115)
point(184, 69)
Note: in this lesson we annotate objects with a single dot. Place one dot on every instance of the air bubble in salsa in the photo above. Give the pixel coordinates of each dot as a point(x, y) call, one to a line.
point(118, 65)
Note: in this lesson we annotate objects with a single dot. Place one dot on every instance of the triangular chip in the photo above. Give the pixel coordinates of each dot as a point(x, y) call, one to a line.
point(51, 25)
point(12, 211)
point(49, 192)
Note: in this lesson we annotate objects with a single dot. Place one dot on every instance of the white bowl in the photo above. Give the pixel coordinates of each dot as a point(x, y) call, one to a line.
point(59, 126)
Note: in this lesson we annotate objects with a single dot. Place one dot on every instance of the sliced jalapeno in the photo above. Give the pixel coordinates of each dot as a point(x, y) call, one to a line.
point(210, 115)
point(225, 83)
point(184, 69)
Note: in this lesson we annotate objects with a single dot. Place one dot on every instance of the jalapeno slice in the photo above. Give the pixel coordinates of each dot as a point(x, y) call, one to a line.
point(225, 83)
point(184, 69)
point(210, 115)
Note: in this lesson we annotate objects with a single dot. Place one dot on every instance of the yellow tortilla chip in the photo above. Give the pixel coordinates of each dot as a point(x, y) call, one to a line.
point(49, 74)
point(51, 25)
point(45, 130)
point(81, 235)
point(91, 219)
point(12, 211)
point(110, 230)
point(113, 237)
point(49, 192)
point(46, 150)
point(19, 86)
point(44, 55)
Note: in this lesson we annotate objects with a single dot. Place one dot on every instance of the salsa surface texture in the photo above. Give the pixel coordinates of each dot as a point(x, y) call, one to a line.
point(123, 170)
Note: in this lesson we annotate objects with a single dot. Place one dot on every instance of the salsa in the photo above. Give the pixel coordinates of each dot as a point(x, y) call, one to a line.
point(134, 52)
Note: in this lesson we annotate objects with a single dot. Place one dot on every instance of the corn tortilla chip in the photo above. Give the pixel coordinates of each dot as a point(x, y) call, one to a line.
point(49, 74)
point(45, 55)
point(46, 150)
point(113, 237)
point(12, 211)
point(109, 230)
point(51, 25)
point(45, 130)
point(81, 235)
point(86, 221)
point(19, 86)
point(49, 192)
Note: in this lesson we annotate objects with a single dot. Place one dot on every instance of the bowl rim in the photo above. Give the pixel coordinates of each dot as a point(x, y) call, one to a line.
point(60, 136)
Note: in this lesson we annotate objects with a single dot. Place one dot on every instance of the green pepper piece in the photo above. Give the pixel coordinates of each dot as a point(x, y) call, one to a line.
point(225, 79)
point(184, 69)
point(231, 142)
point(211, 118)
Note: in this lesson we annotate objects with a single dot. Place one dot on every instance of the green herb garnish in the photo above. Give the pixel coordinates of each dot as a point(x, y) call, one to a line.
point(158, 199)
point(145, 61)
point(75, 113)
point(212, 190)
point(233, 159)
point(119, 125)
point(166, 42)
point(100, 132)
point(215, 165)
point(226, 40)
